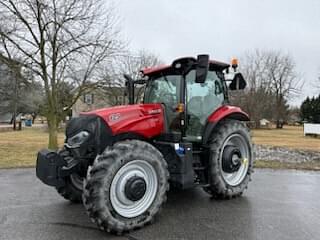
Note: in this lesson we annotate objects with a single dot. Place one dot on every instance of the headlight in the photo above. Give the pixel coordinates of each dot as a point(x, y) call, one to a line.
point(77, 139)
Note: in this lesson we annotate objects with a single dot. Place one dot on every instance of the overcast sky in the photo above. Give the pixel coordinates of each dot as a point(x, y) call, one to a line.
point(225, 29)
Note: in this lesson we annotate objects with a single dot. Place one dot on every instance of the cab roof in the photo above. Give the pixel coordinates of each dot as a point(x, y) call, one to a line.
point(213, 65)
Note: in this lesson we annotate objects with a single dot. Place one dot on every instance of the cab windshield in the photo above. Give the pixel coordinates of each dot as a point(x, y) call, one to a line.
point(164, 89)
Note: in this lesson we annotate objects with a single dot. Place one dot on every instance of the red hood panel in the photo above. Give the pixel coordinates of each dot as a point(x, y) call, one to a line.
point(143, 119)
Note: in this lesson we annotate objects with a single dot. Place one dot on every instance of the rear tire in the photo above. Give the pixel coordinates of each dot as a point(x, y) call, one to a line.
point(105, 194)
point(225, 185)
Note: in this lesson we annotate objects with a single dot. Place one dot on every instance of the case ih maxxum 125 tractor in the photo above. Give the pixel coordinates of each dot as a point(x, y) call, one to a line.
point(119, 161)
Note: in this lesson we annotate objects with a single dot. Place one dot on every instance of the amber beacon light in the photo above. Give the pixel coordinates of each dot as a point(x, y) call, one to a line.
point(234, 63)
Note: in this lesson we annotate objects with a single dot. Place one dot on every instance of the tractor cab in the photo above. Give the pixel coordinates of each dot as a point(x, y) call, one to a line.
point(190, 90)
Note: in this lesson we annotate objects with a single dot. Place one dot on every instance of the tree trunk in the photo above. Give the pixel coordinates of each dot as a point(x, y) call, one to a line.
point(279, 113)
point(14, 121)
point(33, 117)
point(53, 132)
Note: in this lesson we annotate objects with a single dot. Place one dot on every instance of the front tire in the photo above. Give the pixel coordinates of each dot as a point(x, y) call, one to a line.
point(126, 186)
point(231, 161)
point(72, 190)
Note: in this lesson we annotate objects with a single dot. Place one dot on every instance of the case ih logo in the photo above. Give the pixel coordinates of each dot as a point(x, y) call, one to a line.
point(114, 117)
point(155, 111)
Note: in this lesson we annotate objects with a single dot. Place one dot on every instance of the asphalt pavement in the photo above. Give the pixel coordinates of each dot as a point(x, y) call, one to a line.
point(278, 205)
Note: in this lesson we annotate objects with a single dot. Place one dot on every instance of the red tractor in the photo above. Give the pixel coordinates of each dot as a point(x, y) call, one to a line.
point(119, 161)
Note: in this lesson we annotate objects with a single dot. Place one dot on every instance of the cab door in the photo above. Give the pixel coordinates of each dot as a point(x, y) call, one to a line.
point(202, 99)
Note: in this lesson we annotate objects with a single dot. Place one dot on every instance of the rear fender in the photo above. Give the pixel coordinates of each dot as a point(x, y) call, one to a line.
point(222, 113)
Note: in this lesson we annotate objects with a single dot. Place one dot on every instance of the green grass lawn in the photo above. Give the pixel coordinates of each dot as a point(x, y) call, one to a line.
point(290, 137)
point(19, 148)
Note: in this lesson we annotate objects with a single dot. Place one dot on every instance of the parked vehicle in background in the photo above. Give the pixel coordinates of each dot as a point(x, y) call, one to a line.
point(311, 129)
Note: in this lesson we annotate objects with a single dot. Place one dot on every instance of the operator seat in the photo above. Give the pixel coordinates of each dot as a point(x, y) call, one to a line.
point(195, 106)
point(210, 104)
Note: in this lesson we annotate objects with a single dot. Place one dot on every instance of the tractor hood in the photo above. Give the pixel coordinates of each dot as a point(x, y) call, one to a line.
point(145, 120)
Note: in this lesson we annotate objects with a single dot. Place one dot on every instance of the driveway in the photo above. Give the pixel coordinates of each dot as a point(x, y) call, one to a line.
point(278, 205)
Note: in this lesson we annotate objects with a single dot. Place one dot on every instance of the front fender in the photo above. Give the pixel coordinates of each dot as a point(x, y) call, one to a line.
point(223, 112)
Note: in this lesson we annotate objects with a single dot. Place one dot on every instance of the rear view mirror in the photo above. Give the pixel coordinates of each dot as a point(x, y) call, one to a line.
point(202, 68)
point(238, 82)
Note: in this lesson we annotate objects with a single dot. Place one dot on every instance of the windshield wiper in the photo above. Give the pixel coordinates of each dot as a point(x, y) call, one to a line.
point(167, 81)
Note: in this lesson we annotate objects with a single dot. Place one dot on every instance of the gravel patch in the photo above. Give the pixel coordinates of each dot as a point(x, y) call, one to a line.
point(286, 155)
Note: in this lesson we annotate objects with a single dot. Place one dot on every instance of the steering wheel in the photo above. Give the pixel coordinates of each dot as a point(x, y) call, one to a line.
point(168, 99)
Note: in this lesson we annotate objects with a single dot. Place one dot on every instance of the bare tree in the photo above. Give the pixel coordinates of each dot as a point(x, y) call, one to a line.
point(317, 84)
point(284, 81)
point(131, 64)
point(12, 86)
point(256, 99)
point(59, 41)
point(32, 99)
point(272, 82)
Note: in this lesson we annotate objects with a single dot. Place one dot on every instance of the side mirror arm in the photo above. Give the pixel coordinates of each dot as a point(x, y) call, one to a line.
point(130, 87)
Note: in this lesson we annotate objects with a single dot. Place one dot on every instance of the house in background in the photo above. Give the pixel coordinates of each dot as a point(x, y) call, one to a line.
point(99, 98)
point(5, 118)
point(264, 123)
